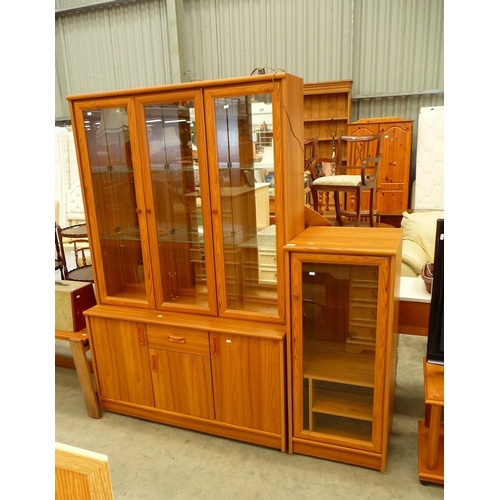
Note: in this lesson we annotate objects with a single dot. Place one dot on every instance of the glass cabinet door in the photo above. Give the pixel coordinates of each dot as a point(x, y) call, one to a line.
point(338, 341)
point(177, 200)
point(113, 178)
point(241, 126)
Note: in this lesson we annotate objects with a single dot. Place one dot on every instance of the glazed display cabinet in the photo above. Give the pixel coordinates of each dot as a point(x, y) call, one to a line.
point(343, 346)
point(187, 211)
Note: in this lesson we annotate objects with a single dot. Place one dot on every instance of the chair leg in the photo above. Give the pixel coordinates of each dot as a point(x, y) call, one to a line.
point(372, 192)
point(314, 196)
point(338, 213)
point(358, 208)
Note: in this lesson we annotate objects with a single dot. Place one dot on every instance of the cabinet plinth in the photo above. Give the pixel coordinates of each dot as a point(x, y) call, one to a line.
point(187, 208)
point(344, 283)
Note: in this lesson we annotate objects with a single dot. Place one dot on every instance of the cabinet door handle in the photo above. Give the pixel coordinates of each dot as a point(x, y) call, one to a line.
point(154, 364)
point(140, 334)
point(178, 340)
point(215, 347)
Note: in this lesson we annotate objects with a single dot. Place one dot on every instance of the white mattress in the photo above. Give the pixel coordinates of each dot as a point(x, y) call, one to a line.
point(67, 181)
point(429, 175)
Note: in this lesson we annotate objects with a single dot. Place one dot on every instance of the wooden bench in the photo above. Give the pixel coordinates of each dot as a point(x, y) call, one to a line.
point(79, 344)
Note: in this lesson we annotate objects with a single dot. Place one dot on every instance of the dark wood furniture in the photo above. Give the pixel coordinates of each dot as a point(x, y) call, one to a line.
point(358, 173)
point(78, 235)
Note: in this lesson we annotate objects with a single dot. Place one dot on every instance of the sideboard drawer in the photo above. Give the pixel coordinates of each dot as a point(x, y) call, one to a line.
point(178, 339)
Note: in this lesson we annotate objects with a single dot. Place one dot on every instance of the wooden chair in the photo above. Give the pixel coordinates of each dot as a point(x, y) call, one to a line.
point(354, 175)
point(310, 153)
point(82, 270)
point(59, 257)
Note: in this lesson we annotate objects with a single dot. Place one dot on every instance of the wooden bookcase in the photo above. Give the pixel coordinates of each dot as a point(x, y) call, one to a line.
point(342, 351)
point(190, 281)
point(327, 111)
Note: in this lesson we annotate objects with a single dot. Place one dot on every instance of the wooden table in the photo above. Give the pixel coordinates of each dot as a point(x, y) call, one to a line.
point(414, 306)
point(431, 430)
point(79, 344)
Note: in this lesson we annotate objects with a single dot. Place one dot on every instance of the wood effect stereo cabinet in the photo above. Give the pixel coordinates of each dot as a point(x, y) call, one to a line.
point(342, 350)
point(392, 193)
point(190, 280)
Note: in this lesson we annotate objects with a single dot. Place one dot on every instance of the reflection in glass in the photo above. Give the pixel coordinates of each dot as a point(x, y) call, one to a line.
point(177, 202)
point(244, 126)
point(339, 305)
point(108, 141)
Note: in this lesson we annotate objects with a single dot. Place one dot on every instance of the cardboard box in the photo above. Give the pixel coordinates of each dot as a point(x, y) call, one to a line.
point(72, 298)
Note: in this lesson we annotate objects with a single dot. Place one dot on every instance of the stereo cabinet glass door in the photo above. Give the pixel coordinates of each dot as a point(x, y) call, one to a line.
point(335, 387)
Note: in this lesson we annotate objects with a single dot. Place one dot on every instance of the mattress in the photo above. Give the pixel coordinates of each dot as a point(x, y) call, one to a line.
point(67, 182)
point(429, 174)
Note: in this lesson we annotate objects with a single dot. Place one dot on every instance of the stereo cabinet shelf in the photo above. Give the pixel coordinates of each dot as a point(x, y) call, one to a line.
point(343, 285)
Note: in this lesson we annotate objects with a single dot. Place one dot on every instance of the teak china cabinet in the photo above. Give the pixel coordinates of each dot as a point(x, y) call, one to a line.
point(187, 221)
point(342, 350)
point(392, 193)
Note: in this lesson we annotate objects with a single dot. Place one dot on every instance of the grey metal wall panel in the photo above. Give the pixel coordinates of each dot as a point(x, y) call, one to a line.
point(389, 48)
point(225, 38)
point(123, 46)
point(398, 46)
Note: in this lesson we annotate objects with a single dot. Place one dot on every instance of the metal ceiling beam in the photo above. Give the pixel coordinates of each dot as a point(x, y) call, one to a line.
point(93, 6)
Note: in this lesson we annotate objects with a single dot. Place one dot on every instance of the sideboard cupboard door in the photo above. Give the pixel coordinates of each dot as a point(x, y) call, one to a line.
point(121, 358)
point(248, 379)
point(181, 370)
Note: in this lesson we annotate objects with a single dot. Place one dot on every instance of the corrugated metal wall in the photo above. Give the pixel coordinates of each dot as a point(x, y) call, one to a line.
point(114, 45)
point(393, 50)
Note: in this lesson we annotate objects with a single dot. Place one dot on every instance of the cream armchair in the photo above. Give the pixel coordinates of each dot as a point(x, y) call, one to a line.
point(419, 235)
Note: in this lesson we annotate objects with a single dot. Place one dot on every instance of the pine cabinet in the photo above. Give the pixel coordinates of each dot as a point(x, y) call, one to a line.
point(327, 112)
point(342, 351)
point(187, 210)
point(392, 191)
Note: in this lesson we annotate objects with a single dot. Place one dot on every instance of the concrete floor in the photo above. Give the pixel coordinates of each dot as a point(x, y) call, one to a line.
point(150, 461)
